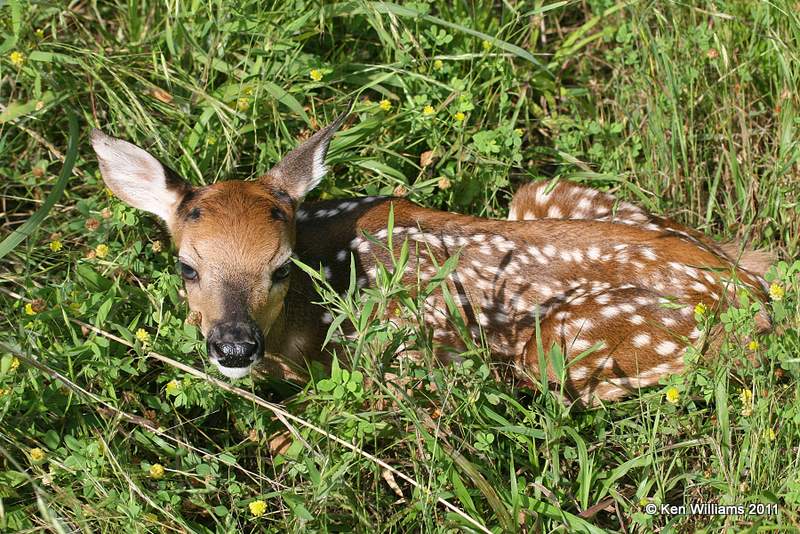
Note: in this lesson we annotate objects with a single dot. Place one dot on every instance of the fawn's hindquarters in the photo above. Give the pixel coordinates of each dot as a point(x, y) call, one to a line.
point(642, 340)
point(644, 331)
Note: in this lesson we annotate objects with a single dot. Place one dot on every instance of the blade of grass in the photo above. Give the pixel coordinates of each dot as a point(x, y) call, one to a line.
point(18, 235)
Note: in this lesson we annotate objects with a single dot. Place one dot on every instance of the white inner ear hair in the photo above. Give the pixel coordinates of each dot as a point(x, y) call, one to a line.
point(134, 175)
point(318, 167)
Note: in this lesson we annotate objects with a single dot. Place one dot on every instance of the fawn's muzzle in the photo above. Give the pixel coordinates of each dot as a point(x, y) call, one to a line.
point(235, 346)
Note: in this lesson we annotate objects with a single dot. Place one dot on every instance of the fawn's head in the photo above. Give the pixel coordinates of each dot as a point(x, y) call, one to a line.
point(234, 239)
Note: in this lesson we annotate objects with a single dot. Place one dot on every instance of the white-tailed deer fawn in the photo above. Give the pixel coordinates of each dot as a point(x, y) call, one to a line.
point(591, 273)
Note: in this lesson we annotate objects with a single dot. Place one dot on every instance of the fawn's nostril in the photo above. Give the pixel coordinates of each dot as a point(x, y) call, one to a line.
point(236, 350)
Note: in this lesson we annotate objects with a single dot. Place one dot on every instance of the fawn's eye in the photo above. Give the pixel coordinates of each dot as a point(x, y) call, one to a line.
point(282, 272)
point(187, 272)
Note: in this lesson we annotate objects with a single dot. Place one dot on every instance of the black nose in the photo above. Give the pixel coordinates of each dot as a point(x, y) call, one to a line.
point(235, 344)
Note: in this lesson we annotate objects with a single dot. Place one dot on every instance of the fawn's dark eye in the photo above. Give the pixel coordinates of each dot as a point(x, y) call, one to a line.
point(187, 272)
point(282, 272)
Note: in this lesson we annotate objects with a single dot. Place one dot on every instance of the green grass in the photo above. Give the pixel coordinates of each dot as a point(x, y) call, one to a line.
point(689, 109)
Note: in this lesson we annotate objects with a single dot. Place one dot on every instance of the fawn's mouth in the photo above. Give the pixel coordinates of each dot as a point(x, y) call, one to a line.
point(234, 372)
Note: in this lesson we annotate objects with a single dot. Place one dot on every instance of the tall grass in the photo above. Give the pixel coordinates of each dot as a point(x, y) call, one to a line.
point(689, 109)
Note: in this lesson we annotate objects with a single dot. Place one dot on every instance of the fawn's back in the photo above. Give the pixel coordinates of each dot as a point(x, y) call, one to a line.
point(620, 296)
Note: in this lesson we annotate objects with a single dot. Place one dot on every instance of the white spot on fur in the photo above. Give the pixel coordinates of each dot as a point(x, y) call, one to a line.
point(578, 373)
point(609, 311)
point(665, 348)
point(537, 255)
point(699, 287)
point(582, 325)
point(640, 340)
point(554, 212)
point(580, 345)
point(649, 253)
point(541, 195)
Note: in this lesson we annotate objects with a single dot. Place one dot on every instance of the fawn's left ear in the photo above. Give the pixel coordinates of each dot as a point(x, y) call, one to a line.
point(303, 168)
point(138, 178)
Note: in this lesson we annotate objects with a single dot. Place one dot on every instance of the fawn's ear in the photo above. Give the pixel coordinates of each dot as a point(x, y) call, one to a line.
point(303, 168)
point(137, 177)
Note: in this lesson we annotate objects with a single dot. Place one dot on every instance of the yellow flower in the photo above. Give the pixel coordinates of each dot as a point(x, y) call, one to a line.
point(673, 395)
point(56, 245)
point(17, 58)
point(101, 251)
point(487, 45)
point(36, 454)
point(385, 105)
point(40, 33)
point(173, 387)
point(143, 336)
point(156, 471)
point(747, 402)
point(109, 192)
point(753, 345)
point(14, 363)
point(29, 309)
point(769, 434)
point(428, 110)
point(438, 64)
point(700, 309)
point(776, 292)
point(156, 246)
point(644, 501)
point(243, 104)
point(258, 508)
point(459, 116)
point(315, 74)
point(519, 132)
point(4, 392)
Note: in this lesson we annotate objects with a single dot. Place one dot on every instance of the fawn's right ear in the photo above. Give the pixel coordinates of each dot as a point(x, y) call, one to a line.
point(138, 178)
